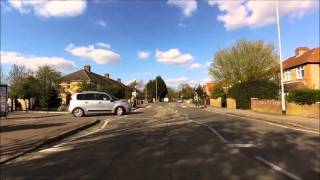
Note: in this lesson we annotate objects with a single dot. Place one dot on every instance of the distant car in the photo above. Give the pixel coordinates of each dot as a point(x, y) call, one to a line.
point(180, 101)
point(93, 102)
point(166, 99)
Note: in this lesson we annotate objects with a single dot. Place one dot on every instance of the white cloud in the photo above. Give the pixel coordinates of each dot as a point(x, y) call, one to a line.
point(54, 8)
point(237, 14)
point(98, 55)
point(101, 23)
point(173, 56)
point(4, 6)
point(33, 62)
point(103, 45)
point(140, 83)
point(187, 6)
point(207, 80)
point(180, 80)
point(143, 55)
point(195, 66)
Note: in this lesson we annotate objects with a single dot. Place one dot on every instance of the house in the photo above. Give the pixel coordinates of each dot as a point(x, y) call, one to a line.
point(69, 84)
point(208, 87)
point(302, 69)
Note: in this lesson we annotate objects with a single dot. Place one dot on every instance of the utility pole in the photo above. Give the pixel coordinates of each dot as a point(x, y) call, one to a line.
point(283, 101)
point(156, 90)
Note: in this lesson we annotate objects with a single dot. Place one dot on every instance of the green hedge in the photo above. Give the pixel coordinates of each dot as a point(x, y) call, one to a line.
point(304, 96)
point(243, 92)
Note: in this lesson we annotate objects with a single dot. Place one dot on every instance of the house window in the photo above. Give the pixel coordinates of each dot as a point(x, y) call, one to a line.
point(300, 72)
point(287, 75)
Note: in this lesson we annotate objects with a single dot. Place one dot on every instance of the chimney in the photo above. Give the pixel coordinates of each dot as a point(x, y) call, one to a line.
point(87, 68)
point(106, 75)
point(119, 80)
point(301, 50)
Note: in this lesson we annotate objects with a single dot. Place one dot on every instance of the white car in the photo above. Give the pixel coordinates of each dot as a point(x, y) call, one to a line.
point(93, 102)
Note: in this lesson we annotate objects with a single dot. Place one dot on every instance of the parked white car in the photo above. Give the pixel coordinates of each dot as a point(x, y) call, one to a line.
point(93, 102)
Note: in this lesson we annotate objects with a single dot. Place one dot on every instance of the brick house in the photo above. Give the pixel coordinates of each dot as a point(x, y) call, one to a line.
point(302, 70)
point(69, 84)
point(208, 87)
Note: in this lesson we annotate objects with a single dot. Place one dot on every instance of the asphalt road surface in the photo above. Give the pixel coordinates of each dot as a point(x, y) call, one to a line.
point(172, 141)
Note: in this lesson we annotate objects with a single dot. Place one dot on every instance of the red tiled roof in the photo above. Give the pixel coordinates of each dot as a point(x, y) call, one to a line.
point(310, 56)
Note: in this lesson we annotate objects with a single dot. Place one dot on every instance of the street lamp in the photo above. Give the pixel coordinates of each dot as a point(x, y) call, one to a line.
point(156, 90)
point(283, 101)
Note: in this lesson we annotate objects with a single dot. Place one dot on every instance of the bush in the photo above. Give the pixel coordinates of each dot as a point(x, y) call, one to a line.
point(304, 96)
point(243, 92)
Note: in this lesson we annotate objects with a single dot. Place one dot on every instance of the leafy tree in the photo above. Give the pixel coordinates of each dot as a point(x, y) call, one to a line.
point(172, 93)
point(48, 80)
point(86, 85)
point(199, 91)
point(161, 88)
point(245, 61)
point(115, 90)
point(218, 91)
point(186, 91)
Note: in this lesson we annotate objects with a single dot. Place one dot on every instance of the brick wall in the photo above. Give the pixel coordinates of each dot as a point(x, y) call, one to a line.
point(274, 106)
point(231, 103)
point(216, 102)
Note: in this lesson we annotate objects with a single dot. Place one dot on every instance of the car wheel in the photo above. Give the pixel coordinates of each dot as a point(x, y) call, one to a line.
point(120, 111)
point(77, 112)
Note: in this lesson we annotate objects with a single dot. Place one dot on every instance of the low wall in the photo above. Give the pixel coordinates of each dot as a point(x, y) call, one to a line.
point(274, 106)
point(216, 102)
point(231, 103)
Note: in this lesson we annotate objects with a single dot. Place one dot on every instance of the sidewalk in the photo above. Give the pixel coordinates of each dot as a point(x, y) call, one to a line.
point(22, 132)
point(293, 121)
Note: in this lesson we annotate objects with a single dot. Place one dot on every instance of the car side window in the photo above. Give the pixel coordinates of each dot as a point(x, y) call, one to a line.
point(80, 97)
point(102, 97)
point(89, 97)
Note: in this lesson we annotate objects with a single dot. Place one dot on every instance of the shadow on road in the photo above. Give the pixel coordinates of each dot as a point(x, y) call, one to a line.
point(140, 149)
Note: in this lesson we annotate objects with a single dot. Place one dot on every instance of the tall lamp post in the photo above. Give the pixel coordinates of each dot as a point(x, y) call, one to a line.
point(156, 90)
point(283, 101)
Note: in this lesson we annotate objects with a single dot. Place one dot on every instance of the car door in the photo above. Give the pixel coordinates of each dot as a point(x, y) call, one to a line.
point(91, 104)
point(107, 103)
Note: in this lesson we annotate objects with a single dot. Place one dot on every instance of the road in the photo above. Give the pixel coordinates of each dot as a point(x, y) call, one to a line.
point(173, 141)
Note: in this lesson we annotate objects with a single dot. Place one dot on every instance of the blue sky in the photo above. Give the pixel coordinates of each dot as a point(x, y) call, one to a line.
point(176, 38)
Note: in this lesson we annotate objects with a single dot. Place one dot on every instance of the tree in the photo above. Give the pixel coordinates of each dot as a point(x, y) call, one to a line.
point(115, 89)
point(172, 93)
point(186, 91)
point(48, 82)
point(86, 85)
point(245, 61)
point(199, 91)
point(161, 88)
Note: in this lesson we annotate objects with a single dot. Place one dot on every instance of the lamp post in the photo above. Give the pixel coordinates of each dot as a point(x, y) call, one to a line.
point(283, 101)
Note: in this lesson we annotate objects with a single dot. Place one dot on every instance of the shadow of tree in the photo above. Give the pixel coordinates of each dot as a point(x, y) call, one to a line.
point(166, 149)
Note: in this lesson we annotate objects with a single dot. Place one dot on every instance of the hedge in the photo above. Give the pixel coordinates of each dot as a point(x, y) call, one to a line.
point(243, 92)
point(304, 96)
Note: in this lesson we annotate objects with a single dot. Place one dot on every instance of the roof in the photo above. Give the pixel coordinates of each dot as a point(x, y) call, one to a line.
point(210, 85)
point(84, 74)
point(309, 57)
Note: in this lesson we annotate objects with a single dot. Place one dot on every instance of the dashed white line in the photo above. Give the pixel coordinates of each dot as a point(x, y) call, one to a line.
point(277, 168)
point(242, 145)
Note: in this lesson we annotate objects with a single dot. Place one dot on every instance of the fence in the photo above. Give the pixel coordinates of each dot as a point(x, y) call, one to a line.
point(216, 102)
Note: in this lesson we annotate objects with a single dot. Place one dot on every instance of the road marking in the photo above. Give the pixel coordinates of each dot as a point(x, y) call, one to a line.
point(270, 123)
point(277, 168)
point(210, 128)
point(297, 129)
point(242, 145)
point(55, 149)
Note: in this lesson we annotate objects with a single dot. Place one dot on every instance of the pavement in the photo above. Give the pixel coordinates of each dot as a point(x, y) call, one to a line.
point(170, 141)
point(311, 124)
point(22, 132)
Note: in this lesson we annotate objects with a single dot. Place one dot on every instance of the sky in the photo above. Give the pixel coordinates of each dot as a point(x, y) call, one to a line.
point(138, 40)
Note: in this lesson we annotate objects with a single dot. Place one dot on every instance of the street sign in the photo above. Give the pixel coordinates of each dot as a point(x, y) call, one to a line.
point(3, 100)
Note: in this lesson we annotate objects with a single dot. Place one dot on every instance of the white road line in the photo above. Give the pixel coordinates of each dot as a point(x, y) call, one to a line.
point(242, 145)
point(270, 123)
point(217, 134)
point(277, 168)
